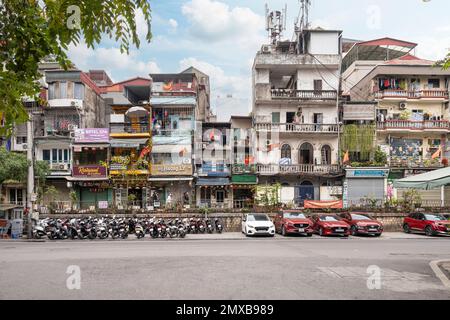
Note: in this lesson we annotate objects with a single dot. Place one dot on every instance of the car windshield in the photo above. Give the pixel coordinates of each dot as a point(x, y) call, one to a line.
point(328, 218)
point(360, 217)
point(433, 217)
point(293, 215)
point(257, 217)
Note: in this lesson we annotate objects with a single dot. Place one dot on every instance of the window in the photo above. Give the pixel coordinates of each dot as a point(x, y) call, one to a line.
point(275, 117)
point(326, 155)
point(317, 86)
point(56, 155)
point(290, 117)
point(78, 91)
point(51, 91)
point(21, 140)
point(434, 83)
point(15, 196)
point(286, 151)
point(220, 196)
point(63, 90)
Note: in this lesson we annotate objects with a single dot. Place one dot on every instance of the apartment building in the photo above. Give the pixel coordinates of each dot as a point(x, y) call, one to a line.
point(178, 101)
point(73, 102)
point(409, 98)
point(295, 114)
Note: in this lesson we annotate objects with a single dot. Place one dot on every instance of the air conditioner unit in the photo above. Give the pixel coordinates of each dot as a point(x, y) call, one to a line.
point(59, 166)
point(72, 134)
point(72, 127)
point(402, 105)
point(24, 146)
point(265, 49)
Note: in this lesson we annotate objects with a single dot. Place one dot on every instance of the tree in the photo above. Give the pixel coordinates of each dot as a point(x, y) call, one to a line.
point(446, 63)
point(32, 30)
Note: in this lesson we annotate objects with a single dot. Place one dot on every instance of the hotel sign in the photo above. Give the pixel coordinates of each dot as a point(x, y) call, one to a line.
point(89, 171)
point(171, 169)
point(92, 135)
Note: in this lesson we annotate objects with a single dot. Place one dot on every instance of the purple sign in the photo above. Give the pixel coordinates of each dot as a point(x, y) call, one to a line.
point(92, 135)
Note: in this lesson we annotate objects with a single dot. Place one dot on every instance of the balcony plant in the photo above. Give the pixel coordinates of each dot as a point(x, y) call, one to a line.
point(142, 164)
point(125, 160)
point(405, 115)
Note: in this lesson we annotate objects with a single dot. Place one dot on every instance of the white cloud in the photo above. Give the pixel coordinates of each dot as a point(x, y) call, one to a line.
point(173, 23)
point(112, 60)
point(222, 86)
point(214, 21)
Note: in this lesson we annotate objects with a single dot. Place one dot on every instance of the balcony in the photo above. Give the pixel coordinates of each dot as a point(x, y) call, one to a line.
point(273, 169)
point(412, 94)
point(219, 170)
point(243, 168)
point(292, 94)
point(298, 127)
point(426, 125)
point(172, 132)
point(413, 162)
point(129, 128)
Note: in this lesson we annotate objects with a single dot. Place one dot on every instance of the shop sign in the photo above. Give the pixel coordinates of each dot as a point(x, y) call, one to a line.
point(171, 169)
point(367, 173)
point(117, 166)
point(91, 171)
point(90, 135)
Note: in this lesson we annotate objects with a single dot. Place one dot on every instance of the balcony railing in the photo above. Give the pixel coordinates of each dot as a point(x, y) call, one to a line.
point(415, 162)
point(127, 127)
point(218, 170)
point(270, 169)
point(243, 168)
point(303, 94)
point(412, 94)
point(298, 127)
point(414, 125)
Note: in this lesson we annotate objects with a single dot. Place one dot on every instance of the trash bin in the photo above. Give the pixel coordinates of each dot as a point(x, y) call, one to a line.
point(16, 228)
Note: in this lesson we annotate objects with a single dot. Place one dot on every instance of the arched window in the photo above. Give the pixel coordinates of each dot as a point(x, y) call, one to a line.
point(306, 154)
point(286, 151)
point(326, 155)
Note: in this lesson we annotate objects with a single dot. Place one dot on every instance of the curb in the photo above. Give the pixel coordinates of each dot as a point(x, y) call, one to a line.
point(437, 269)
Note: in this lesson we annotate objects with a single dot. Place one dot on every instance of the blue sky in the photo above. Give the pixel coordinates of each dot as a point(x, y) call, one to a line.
point(221, 37)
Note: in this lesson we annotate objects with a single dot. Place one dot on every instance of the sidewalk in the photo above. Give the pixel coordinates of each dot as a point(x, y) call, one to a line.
point(240, 236)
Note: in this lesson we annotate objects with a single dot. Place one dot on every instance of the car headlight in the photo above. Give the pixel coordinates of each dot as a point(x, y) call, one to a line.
point(250, 226)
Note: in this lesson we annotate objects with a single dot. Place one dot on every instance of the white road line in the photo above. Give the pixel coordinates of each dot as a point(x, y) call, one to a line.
point(435, 267)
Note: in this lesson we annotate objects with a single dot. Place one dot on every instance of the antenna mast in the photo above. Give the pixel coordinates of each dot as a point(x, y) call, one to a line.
point(302, 24)
point(275, 24)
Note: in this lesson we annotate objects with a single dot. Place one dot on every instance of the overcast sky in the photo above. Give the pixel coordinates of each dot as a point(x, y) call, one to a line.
point(221, 38)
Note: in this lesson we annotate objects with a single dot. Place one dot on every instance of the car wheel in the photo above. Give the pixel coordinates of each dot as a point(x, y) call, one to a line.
point(429, 231)
point(283, 231)
point(309, 234)
point(354, 231)
point(406, 228)
point(321, 232)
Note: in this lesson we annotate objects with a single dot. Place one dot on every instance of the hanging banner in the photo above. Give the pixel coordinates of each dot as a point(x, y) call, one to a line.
point(312, 204)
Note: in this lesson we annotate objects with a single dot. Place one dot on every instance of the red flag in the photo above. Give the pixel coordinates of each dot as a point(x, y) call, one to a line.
point(144, 152)
point(346, 158)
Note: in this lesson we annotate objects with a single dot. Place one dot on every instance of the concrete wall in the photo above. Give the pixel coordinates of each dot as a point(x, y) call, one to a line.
point(324, 43)
point(306, 77)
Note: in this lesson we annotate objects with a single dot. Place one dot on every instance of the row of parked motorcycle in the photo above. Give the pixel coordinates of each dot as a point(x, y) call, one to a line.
point(121, 228)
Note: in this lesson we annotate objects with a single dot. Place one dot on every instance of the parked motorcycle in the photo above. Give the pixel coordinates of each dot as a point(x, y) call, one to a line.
point(218, 225)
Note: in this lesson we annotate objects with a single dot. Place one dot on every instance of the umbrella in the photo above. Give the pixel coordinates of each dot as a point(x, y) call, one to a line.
point(137, 112)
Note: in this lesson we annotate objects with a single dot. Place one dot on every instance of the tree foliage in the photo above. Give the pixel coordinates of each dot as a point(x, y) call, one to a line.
point(13, 166)
point(32, 30)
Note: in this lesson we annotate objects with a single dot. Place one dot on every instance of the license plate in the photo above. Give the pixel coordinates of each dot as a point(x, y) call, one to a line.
point(301, 230)
point(339, 230)
point(373, 230)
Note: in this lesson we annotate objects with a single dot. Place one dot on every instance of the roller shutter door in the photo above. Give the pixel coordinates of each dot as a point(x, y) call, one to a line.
point(363, 188)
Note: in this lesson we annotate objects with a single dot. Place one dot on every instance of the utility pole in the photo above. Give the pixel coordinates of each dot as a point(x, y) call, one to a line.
point(30, 180)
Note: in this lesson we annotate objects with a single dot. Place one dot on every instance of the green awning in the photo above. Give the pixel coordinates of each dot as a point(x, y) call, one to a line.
point(429, 180)
point(243, 179)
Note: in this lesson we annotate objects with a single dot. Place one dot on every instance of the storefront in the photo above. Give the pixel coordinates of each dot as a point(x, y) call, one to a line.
point(171, 192)
point(364, 186)
point(243, 186)
point(214, 193)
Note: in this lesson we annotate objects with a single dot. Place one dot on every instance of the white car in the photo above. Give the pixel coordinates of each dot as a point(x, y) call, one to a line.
point(257, 224)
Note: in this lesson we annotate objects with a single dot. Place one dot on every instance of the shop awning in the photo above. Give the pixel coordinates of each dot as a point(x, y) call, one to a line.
point(128, 143)
point(91, 145)
point(170, 179)
point(6, 207)
point(429, 180)
point(87, 179)
point(213, 182)
point(185, 149)
point(244, 179)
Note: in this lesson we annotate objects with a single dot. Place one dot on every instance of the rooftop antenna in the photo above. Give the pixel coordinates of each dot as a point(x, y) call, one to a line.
point(302, 24)
point(275, 23)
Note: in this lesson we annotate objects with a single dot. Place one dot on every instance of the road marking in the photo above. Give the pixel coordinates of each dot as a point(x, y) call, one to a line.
point(437, 270)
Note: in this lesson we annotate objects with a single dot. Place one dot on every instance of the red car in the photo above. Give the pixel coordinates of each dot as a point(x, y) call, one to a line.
point(329, 225)
point(293, 222)
point(430, 223)
point(361, 223)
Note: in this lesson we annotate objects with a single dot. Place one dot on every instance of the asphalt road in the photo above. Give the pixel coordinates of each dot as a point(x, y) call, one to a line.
point(261, 268)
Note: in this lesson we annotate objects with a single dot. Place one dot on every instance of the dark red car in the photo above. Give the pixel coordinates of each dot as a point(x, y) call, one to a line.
point(430, 223)
point(293, 222)
point(362, 223)
point(330, 225)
